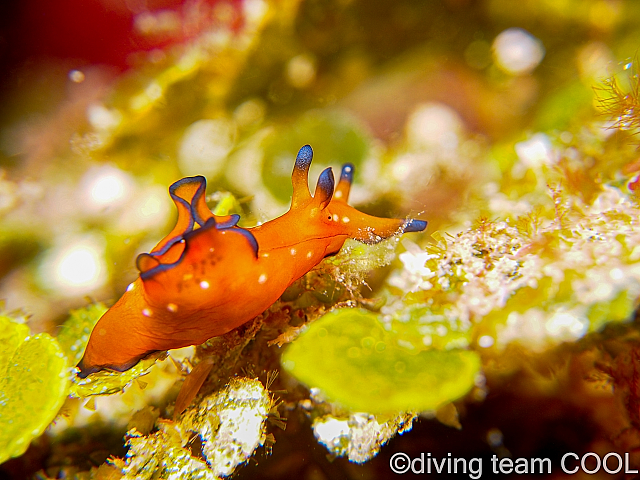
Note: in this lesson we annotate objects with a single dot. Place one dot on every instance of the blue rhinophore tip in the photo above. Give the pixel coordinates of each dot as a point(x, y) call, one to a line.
point(414, 225)
point(326, 182)
point(304, 157)
point(347, 172)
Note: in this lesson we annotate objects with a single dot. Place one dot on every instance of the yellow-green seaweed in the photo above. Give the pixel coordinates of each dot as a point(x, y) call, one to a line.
point(33, 386)
point(355, 362)
point(75, 331)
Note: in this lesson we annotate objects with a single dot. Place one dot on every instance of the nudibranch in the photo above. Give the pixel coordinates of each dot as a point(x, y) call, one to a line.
point(209, 276)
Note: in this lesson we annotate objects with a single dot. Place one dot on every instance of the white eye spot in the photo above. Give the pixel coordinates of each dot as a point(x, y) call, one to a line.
point(262, 278)
point(335, 217)
point(204, 284)
point(309, 254)
point(172, 307)
point(131, 287)
point(147, 312)
point(346, 219)
point(293, 251)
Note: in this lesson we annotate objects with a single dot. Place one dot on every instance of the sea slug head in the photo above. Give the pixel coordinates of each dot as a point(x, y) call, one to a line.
point(327, 213)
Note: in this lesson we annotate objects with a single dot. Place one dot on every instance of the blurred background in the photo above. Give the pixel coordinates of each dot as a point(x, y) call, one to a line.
point(105, 103)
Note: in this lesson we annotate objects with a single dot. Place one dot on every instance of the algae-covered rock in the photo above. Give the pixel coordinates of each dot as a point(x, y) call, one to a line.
point(354, 361)
point(360, 436)
point(229, 425)
point(33, 385)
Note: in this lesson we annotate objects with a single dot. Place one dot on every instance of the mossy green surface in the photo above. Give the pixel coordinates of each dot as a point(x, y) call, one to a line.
point(75, 331)
point(33, 386)
point(354, 361)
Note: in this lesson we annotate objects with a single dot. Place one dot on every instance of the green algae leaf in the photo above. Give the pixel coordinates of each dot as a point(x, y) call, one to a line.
point(75, 331)
point(354, 361)
point(12, 334)
point(107, 382)
point(33, 386)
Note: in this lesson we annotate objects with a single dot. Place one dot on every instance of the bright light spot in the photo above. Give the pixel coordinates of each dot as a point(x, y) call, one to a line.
point(75, 268)
point(205, 146)
point(250, 112)
point(595, 61)
point(153, 91)
point(517, 51)
point(148, 208)
point(162, 22)
point(565, 325)
point(434, 125)
point(536, 151)
point(204, 284)
point(254, 10)
point(494, 437)
point(262, 278)
point(147, 312)
point(76, 76)
point(301, 70)
point(102, 118)
point(616, 274)
point(151, 207)
point(105, 187)
point(485, 341)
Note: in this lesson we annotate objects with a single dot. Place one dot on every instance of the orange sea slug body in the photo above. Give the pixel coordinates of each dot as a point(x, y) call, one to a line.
point(209, 276)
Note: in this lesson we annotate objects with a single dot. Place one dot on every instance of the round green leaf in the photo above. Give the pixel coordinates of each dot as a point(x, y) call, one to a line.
point(32, 390)
point(354, 361)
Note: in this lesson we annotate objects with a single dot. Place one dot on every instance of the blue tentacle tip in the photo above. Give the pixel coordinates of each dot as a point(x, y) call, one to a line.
point(414, 225)
point(326, 182)
point(304, 157)
point(347, 173)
